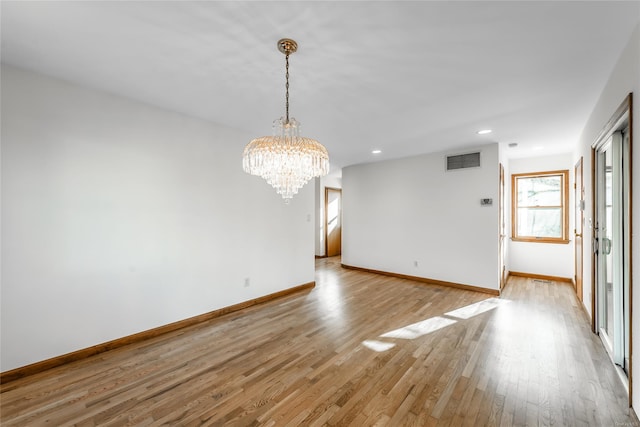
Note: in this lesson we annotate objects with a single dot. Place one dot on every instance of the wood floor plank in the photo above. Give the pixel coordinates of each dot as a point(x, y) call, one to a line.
point(359, 349)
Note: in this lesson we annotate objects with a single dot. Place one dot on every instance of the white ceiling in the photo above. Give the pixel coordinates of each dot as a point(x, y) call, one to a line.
point(403, 77)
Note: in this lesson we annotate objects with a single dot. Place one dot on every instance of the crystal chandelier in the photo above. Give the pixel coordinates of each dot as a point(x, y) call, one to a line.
point(286, 160)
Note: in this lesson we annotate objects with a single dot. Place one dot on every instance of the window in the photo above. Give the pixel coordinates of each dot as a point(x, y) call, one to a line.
point(539, 207)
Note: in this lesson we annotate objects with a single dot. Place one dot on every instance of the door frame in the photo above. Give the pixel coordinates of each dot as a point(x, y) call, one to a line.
point(503, 230)
point(579, 205)
point(622, 113)
point(326, 217)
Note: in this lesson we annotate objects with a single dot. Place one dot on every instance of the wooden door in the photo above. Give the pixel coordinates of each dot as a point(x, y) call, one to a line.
point(333, 221)
point(579, 223)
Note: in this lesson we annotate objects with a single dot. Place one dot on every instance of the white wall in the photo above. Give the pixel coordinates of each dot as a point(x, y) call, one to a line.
point(118, 217)
point(333, 180)
point(400, 211)
point(549, 259)
point(624, 78)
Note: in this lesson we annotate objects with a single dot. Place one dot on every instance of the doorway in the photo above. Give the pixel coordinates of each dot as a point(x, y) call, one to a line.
point(612, 238)
point(333, 221)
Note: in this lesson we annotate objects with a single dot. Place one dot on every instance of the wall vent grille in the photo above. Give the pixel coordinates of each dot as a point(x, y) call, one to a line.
point(463, 161)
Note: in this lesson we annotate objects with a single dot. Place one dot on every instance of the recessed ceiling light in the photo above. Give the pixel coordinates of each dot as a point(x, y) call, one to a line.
point(484, 131)
point(376, 152)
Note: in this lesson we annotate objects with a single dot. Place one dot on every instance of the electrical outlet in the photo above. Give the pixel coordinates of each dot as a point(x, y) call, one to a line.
point(247, 282)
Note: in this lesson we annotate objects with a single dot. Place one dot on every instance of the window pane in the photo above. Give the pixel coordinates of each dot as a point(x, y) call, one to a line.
point(540, 222)
point(540, 191)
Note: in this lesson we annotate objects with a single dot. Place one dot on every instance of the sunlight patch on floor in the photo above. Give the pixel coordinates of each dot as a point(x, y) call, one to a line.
point(432, 324)
point(378, 346)
point(416, 330)
point(476, 308)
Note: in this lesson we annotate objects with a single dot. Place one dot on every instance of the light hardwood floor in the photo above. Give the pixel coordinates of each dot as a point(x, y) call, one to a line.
point(360, 349)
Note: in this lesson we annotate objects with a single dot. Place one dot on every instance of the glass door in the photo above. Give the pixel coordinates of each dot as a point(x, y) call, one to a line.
point(611, 250)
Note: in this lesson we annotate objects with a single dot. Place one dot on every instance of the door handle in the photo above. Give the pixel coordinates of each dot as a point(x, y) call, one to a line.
point(578, 234)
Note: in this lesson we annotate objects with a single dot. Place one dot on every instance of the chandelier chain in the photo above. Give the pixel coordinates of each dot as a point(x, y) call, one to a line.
point(287, 87)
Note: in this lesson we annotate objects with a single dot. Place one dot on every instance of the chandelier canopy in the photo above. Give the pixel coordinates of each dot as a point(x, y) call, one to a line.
point(286, 160)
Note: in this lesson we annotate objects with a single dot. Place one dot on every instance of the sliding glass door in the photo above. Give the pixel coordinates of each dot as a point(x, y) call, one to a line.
point(611, 246)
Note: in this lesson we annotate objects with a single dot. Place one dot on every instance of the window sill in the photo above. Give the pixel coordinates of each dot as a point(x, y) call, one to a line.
point(540, 240)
